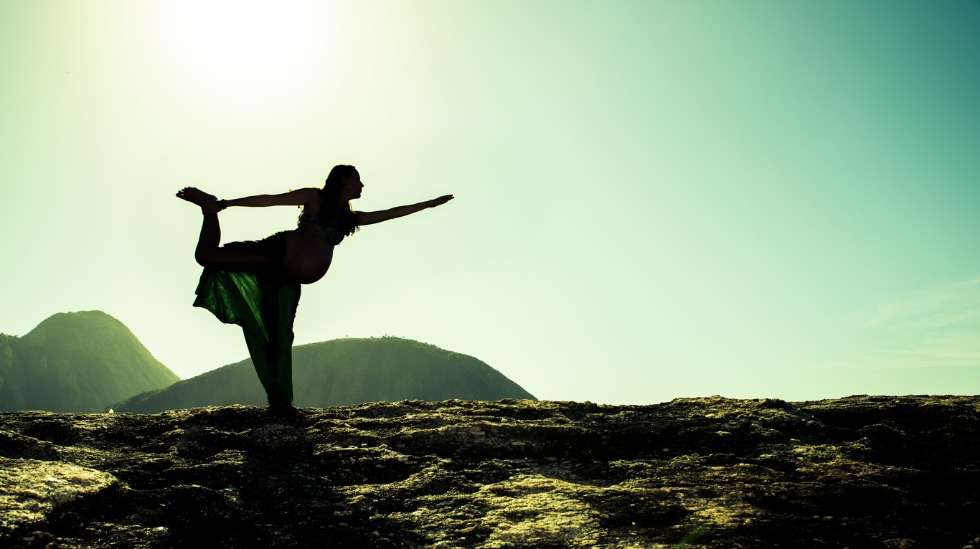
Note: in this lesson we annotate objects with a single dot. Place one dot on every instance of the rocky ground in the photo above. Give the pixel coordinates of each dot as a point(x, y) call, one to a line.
point(863, 471)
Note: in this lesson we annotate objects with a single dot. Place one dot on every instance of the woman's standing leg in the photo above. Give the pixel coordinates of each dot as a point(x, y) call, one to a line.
point(271, 348)
point(279, 307)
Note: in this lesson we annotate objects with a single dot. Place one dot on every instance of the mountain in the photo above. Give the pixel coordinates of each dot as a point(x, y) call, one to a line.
point(341, 372)
point(76, 362)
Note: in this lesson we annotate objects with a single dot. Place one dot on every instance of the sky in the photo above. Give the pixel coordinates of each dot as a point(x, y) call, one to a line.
point(652, 199)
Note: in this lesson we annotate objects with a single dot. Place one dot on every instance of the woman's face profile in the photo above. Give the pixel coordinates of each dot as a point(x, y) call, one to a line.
point(352, 186)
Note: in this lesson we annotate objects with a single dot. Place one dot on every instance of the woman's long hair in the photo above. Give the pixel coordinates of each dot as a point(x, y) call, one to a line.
point(330, 200)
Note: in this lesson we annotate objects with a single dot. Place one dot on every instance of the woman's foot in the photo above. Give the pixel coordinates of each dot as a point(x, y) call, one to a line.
point(207, 202)
point(285, 411)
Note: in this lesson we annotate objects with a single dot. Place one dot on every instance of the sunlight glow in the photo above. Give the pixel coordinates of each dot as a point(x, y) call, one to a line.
point(243, 52)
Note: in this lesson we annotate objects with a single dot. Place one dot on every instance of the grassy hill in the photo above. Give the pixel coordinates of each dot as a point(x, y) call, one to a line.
point(76, 362)
point(344, 371)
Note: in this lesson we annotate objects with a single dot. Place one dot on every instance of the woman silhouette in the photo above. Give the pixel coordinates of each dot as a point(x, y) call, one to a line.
point(256, 283)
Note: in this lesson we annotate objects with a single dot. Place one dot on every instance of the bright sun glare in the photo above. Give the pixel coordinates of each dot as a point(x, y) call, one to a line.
point(244, 51)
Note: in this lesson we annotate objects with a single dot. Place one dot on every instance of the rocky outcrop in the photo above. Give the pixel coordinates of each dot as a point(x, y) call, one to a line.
point(31, 489)
point(862, 471)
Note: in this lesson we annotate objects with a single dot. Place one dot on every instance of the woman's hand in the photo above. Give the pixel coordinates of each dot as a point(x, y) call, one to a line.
point(214, 206)
point(439, 201)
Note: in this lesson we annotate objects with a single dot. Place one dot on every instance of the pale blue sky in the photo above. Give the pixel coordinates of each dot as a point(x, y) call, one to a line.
point(653, 199)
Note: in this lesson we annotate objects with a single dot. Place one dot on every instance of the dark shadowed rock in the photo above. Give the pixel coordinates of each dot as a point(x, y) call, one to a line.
point(863, 471)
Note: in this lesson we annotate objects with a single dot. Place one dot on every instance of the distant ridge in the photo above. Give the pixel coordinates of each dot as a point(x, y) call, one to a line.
point(76, 362)
point(344, 371)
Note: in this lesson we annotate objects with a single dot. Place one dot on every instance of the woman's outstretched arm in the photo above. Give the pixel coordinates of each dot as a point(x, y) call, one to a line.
point(367, 218)
point(298, 197)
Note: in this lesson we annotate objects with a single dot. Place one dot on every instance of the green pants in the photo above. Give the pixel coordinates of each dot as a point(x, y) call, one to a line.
point(264, 305)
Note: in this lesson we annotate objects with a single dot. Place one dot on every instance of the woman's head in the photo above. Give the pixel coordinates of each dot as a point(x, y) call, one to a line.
point(343, 184)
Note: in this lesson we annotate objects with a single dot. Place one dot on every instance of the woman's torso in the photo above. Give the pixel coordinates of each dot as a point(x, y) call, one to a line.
point(309, 248)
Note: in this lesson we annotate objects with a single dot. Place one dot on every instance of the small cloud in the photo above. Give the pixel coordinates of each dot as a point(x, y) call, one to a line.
point(941, 307)
point(939, 327)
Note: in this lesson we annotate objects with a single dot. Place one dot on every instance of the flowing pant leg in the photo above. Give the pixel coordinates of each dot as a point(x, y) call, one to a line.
point(264, 305)
point(280, 302)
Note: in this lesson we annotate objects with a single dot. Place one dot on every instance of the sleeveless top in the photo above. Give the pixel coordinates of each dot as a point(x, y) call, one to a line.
point(331, 234)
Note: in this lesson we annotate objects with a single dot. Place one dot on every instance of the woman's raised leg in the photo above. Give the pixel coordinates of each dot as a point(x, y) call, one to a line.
point(208, 253)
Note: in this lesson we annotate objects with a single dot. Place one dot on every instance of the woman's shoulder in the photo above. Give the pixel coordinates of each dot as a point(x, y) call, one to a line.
point(315, 193)
point(314, 201)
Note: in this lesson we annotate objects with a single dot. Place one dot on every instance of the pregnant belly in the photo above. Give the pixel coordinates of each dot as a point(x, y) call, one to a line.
point(307, 257)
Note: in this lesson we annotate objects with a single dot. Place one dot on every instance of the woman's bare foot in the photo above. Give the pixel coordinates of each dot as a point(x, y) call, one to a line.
point(207, 202)
point(286, 412)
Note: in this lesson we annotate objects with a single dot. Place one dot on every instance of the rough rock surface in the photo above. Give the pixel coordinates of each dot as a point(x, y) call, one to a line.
point(862, 471)
point(31, 489)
